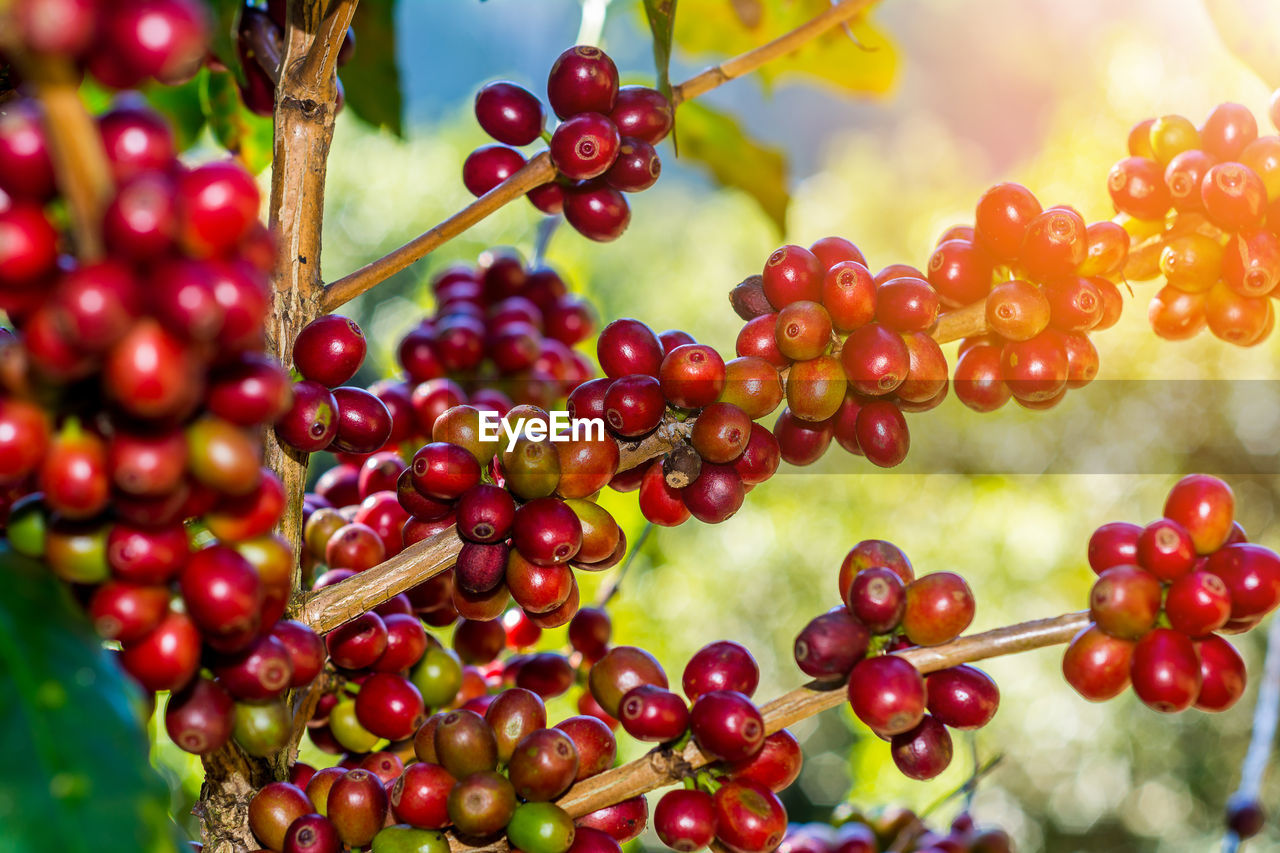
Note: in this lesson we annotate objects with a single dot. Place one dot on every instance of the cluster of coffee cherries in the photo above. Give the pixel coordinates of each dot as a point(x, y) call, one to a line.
point(122, 43)
point(502, 334)
point(887, 608)
point(734, 800)
point(260, 47)
point(1048, 280)
point(854, 348)
point(135, 391)
point(1164, 595)
point(1211, 195)
point(602, 147)
point(325, 414)
point(894, 829)
point(655, 382)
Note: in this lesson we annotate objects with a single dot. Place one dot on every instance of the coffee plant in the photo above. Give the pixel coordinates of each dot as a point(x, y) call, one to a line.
point(379, 609)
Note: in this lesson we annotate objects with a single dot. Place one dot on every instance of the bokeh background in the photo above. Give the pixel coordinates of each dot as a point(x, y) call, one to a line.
point(1037, 91)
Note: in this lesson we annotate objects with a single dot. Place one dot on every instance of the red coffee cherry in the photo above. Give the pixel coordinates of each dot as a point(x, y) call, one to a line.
point(831, 645)
point(836, 250)
point(634, 405)
point(749, 817)
point(939, 607)
point(1234, 196)
point(1138, 188)
point(882, 433)
point(1222, 674)
point(329, 350)
point(488, 166)
point(1035, 370)
point(597, 211)
point(877, 597)
point(875, 359)
point(1198, 604)
point(962, 697)
point(849, 295)
point(642, 113)
point(692, 376)
point(1003, 215)
point(907, 304)
point(1114, 544)
point(546, 532)
point(1166, 671)
point(636, 168)
point(775, 766)
point(722, 665)
point(1166, 550)
point(584, 146)
point(653, 714)
point(1252, 576)
point(888, 694)
point(1204, 506)
point(979, 379)
point(659, 502)
point(621, 669)
point(803, 330)
point(801, 442)
point(1097, 665)
point(1125, 602)
point(715, 495)
point(726, 725)
point(685, 820)
point(217, 205)
point(924, 752)
point(792, 274)
point(509, 113)
point(1055, 243)
point(582, 79)
point(959, 270)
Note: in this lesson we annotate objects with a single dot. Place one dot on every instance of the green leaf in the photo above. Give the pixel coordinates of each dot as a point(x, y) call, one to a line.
point(662, 23)
point(372, 78)
point(75, 775)
point(182, 106)
point(226, 18)
point(857, 59)
point(247, 136)
point(717, 143)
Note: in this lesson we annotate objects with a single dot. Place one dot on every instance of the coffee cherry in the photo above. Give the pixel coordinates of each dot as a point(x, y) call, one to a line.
point(488, 166)
point(260, 672)
point(659, 502)
point(636, 168)
point(582, 79)
point(642, 113)
point(962, 697)
point(652, 714)
point(546, 532)
point(198, 718)
point(692, 376)
point(364, 424)
point(726, 725)
point(594, 742)
point(597, 211)
point(358, 643)
point(801, 442)
point(792, 274)
point(217, 204)
point(444, 471)
point(626, 347)
point(354, 546)
point(1114, 544)
point(222, 592)
point(959, 270)
point(907, 304)
point(1125, 602)
point(1245, 816)
point(882, 433)
point(31, 245)
point(136, 140)
point(389, 706)
point(621, 669)
point(715, 495)
point(1234, 197)
point(584, 146)
point(1198, 604)
point(830, 646)
point(1251, 263)
point(887, 694)
point(939, 607)
point(1252, 576)
point(543, 765)
point(721, 432)
point(1138, 188)
point(1002, 217)
point(1056, 243)
point(1166, 550)
point(979, 379)
point(509, 113)
point(749, 817)
point(803, 330)
point(1204, 507)
point(1237, 319)
point(924, 752)
point(273, 809)
point(311, 421)
point(1166, 671)
point(357, 807)
point(329, 350)
point(875, 360)
point(1175, 315)
point(485, 513)
point(541, 827)
point(759, 460)
point(685, 820)
point(634, 405)
point(481, 804)
point(420, 796)
point(849, 295)
point(878, 598)
point(722, 665)
point(1036, 369)
point(1017, 310)
point(1222, 674)
point(1097, 665)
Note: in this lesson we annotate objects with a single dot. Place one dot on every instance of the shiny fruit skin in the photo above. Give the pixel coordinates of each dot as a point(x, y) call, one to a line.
point(749, 817)
point(722, 665)
point(888, 694)
point(1166, 671)
point(939, 607)
point(357, 807)
point(1222, 674)
point(924, 752)
point(1198, 604)
point(685, 820)
point(1097, 665)
point(830, 645)
point(621, 669)
point(1125, 602)
point(1205, 507)
point(963, 697)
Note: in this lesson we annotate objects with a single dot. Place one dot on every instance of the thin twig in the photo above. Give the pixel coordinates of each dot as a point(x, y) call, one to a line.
point(608, 592)
point(1265, 713)
point(747, 62)
point(663, 767)
point(535, 173)
point(84, 175)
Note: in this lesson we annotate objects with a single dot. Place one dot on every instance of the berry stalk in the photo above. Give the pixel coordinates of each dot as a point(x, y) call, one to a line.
point(663, 767)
